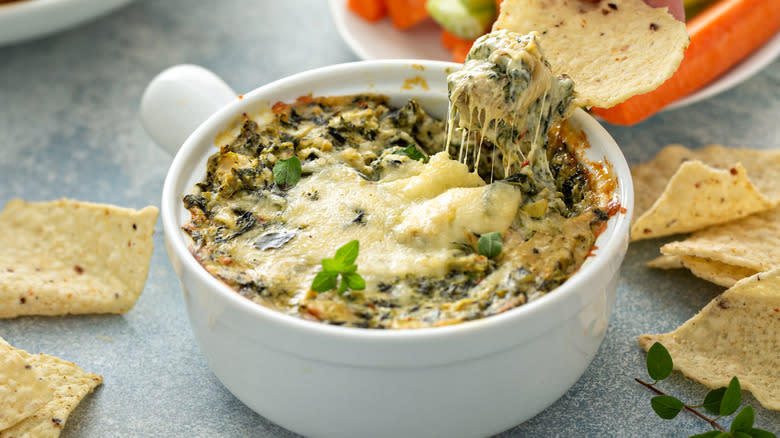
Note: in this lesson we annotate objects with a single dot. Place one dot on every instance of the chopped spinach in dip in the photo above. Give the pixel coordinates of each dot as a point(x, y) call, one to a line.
point(507, 94)
point(382, 175)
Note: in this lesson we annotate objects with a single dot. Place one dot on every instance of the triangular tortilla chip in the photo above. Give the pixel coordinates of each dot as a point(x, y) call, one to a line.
point(716, 272)
point(652, 179)
point(73, 257)
point(698, 196)
point(710, 270)
point(752, 242)
point(70, 383)
point(612, 50)
point(736, 334)
point(22, 388)
point(763, 166)
point(665, 262)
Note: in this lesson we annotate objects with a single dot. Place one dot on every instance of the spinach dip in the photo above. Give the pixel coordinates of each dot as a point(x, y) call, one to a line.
point(452, 224)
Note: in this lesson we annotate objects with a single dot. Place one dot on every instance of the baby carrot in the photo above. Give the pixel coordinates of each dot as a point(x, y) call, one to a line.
point(369, 10)
point(406, 13)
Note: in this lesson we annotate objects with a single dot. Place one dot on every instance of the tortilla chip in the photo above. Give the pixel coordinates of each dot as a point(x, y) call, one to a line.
point(736, 334)
point(653, 179)
point(665, 262)
point(71, 384)
point(22, 388)
point(752, 242)
point(611, 50)
point(716, 272)
point(698, 196)
point(710, 270)
point(73, 257)
point(763, 166)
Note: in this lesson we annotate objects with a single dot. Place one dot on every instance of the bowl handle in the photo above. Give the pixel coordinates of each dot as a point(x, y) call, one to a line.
point(178, 100)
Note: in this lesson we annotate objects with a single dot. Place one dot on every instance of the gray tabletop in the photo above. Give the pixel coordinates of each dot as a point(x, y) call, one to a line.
point(69, 127)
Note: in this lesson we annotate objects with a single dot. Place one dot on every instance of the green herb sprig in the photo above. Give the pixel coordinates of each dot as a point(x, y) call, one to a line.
point(342, 264)
point(490, 244)
point(721, 402)
point(287, 172)
point(412, 152)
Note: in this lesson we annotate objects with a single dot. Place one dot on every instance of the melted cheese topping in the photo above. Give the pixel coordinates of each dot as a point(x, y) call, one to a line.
point(417, 222)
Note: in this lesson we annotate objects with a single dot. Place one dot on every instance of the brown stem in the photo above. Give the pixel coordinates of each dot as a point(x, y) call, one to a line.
point(688, 408)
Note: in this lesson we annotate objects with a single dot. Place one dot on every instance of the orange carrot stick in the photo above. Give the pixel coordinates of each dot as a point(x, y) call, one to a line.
point(406, 13)
point(721, 36)
point(450, 40)
point(369, 10)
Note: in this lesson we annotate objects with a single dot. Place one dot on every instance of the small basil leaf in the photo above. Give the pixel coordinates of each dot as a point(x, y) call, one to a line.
point(741, 435)
point(712, 400)
point(287, 172)
point(331, 265)
point(490, 244)
point(342, 287)
point(659, 362)
point(666, 406)
point(354, 281)
point(732, 398)
point(412, 152)
point(349, 269)
point(347, 254)
point(743, 422)
point(324, 281)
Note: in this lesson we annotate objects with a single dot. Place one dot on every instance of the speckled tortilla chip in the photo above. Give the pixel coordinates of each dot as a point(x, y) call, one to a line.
point(74, 257)
point(698, 196)
point(22, 388)
point(652, 181)
point(710, 270)
point(70, 383)
point(714, 271)
point(612, 50)
point(665, 262)
point(763, 166)
point(736, 334)
point(752, 242)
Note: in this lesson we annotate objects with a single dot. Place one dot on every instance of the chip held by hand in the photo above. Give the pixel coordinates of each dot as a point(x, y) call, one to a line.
point(612, 50)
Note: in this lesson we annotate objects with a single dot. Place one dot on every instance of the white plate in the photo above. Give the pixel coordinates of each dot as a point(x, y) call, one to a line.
point(381, 41)
point(27, 19)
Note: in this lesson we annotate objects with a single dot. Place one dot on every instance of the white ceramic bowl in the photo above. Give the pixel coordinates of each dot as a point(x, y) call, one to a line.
point(473, 379)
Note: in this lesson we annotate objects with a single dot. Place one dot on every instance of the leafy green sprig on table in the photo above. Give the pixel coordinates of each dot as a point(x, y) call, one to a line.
point(343, 265)
point(720, 402)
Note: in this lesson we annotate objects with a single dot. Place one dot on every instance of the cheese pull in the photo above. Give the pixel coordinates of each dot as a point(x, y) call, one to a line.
point(507, 94)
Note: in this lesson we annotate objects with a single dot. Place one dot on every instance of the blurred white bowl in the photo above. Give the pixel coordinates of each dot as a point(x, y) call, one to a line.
point(26, 19)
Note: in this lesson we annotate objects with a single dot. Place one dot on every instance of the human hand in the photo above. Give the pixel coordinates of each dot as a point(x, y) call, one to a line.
point(675, 7)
